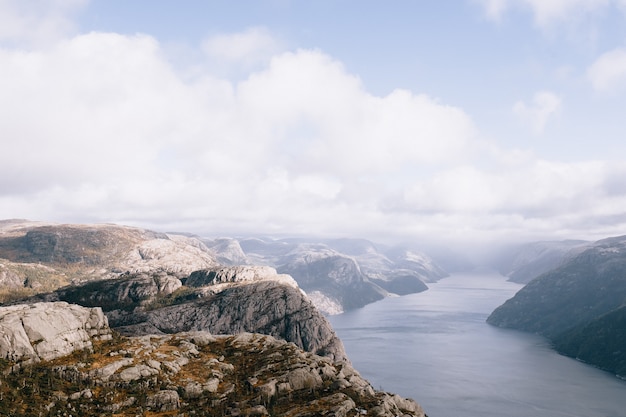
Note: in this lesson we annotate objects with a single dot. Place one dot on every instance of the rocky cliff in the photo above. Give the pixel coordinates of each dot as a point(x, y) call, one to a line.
point(222, 300)
point(577, 305)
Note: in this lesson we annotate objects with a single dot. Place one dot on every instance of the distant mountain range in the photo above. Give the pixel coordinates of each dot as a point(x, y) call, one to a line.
point(337, 274)
point(579, 305)
point(523, 263)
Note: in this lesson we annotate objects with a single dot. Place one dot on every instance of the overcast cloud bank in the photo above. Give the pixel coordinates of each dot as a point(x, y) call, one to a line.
point(104, 127)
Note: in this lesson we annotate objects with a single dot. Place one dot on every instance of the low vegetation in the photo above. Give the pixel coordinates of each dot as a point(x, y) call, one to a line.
point(192, 375)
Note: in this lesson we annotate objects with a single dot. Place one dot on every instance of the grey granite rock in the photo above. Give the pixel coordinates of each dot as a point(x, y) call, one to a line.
point(44, 331)
point(261, 307)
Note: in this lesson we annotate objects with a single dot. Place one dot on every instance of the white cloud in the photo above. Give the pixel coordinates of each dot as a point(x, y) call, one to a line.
point(254, 46)
point(99, 127)
point(608, 72)
point(536, 199)
point(37, 21)
point(494, 9)
point(544, 105)
point(545, 11)
point(538, 188)
point(338, 127)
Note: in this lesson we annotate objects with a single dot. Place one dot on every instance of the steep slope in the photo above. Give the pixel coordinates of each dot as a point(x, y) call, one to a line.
point(581, 298)
point(321, 271)
point(526, 262)
point(600, 342)
point(222, 300)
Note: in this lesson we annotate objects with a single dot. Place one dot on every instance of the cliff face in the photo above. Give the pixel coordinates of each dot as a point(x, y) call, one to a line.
point(581, 298)
point(265, 307)
point(221, 300)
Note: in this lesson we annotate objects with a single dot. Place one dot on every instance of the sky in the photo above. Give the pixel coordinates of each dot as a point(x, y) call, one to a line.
point(467, 121)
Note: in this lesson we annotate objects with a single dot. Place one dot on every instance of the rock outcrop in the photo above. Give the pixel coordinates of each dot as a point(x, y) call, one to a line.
point(44, 331)
point(127, 292)
point(221, 277)
point(224, 300)
point(197, 374)
point(262, 307)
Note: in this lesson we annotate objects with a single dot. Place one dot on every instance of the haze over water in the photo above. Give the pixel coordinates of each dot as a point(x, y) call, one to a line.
point(436, 348)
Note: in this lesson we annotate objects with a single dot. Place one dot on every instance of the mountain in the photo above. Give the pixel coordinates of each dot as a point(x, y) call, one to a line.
point(38, 257)
point(578, 305)
point(221, 300)
point(139, 279)
point(125, 321)
point(194, 373)
point(337, 274)
point(523, 263)
point(600, 342)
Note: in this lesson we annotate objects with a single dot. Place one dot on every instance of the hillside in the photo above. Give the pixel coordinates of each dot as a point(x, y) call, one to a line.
point(577, 305)
point(38, 257)
point(526, 262)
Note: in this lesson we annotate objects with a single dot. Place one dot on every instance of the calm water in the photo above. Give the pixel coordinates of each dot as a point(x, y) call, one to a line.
point(436, 348)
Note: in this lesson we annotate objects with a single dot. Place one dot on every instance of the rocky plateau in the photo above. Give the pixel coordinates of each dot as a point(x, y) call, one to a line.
point(105, 319)
point(94, 372)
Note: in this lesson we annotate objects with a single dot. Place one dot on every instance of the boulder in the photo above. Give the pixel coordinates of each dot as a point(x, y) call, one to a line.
point(44, 331)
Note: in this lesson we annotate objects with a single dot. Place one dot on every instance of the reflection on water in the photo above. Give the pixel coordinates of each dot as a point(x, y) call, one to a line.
point(435, 347)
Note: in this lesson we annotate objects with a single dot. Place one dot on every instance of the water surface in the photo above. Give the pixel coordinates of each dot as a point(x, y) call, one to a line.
point(436, 348)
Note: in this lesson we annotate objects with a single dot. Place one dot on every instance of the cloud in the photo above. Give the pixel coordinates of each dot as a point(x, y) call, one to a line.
point(100, 127)
point(536, 188)
point(545, 11)
point(608, 72)
point(534, 199)
point(494, 9)
point(536, 115)
point(307, 104)
point(37, 22)
point(247, 49)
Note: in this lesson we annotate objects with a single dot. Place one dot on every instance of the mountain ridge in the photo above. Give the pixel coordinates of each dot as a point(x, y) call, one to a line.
point(576, 305)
